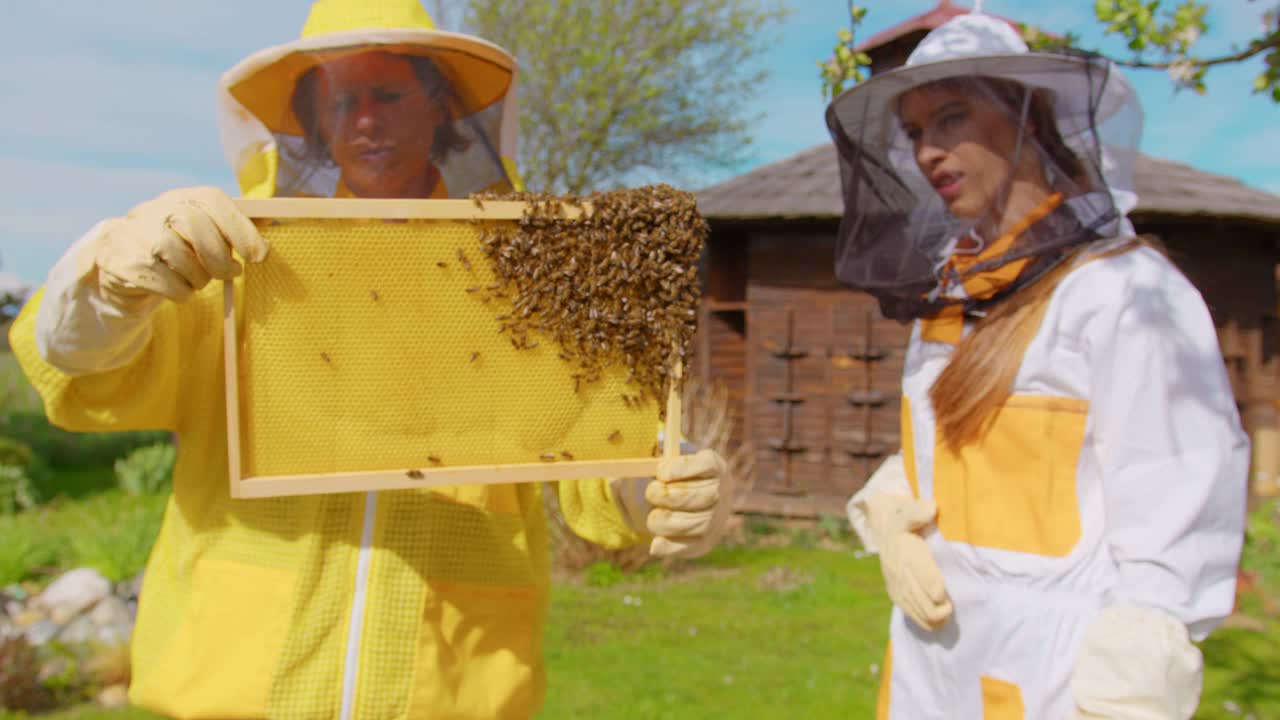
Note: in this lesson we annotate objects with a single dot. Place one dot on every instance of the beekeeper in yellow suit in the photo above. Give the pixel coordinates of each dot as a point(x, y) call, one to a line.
point(398, 604)
point(1066, 514)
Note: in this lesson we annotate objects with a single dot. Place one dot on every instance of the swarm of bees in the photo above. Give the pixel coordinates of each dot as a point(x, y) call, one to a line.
point(618, 285)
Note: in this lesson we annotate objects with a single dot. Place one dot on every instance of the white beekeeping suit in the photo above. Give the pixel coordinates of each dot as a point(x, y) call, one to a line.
point(1058, 561)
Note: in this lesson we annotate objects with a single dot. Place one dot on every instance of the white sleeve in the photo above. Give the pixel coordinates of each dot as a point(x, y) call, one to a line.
point(76, 330)
point(890, 477)
point(1174, 459)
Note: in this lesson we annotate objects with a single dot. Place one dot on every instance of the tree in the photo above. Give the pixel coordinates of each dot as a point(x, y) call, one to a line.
point(11, 301)
point(615, 89)
point(1158, 37)
point(444, 13)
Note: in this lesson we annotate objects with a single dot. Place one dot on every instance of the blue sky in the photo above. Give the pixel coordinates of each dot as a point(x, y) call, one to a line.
point(109, 103)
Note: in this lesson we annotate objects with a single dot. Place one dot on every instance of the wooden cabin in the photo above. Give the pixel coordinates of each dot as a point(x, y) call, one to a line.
point(813, 370)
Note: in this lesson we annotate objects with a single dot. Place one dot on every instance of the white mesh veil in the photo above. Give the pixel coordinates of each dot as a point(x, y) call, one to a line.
point(465, 148)
point(268, 108)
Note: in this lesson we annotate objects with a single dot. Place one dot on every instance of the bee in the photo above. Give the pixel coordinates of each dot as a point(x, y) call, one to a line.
point(442, 264)
point(414, 474)
point(474, 356)
point(325, 357)
point(547, 457)
point(566, 454)
point(615, 436)
point(434, 460)
point(462, 258)
point(473, 288)
point(374, 294)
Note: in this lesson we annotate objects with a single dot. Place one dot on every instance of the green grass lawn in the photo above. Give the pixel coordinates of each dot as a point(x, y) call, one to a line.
point(745, 633)
point(737, 637)
point(769, 632)
point(777, 628)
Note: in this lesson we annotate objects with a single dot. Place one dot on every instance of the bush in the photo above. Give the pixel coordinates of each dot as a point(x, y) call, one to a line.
point(13, 452)
point(63, 449)
point(26, 547)
point(20, 686)
point(24, 478)
point(1261, 555)
point(111, 533)
point(17, 491)
point(147, 470)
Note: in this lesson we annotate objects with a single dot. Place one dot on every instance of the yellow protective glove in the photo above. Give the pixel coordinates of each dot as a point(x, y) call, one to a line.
point(171, 246)
point(911, 575)
point(1136, 664)
point(688, 515)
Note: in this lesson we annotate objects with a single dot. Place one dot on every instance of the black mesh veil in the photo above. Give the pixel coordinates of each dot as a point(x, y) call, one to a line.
point(944, 158)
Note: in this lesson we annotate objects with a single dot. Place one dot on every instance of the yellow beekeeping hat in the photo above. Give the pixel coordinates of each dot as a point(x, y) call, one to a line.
point(480, 72)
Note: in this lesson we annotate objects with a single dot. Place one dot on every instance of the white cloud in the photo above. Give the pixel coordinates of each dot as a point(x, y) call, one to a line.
point(155, 27)
point(57, 202)
point(100, 105)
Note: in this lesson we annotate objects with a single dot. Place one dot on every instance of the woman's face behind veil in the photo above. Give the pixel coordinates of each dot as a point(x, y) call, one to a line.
point(965, 145)
point(378, 122)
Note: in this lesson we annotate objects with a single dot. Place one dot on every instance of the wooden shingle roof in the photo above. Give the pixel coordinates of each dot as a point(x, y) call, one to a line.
point(807, 186)
point(930, 20)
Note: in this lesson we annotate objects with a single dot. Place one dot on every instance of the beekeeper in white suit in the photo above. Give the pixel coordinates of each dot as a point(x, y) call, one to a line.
point(1067, 511)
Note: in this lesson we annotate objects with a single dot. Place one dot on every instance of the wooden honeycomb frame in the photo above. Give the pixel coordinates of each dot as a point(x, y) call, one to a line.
point(404, 478)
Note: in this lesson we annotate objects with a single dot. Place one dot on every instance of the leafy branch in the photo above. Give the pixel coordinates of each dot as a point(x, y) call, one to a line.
point(1160, 38)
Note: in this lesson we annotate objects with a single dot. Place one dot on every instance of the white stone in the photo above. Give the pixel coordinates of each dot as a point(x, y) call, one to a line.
point(79, 630)
point(113, 634)
point(114, 696)
point(40, 632)
point(111, 610)
point(73, 593)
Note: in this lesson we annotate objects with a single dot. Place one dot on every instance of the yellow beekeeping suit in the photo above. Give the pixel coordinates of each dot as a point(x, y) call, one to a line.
point(415, 603)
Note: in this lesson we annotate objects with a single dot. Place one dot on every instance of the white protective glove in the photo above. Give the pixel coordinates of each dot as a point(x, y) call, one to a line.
point(1136, 664)
point(911, 575)
point(886, 518)
point(172, 246)
point(682, 507)
point(95, 315)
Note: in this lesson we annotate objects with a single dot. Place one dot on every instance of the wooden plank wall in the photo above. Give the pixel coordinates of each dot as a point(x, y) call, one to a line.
point(834, 444)
point(791, 274)
point(720, 357)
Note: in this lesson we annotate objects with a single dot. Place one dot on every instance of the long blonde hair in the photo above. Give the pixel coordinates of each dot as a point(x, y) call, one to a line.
point(979, 377)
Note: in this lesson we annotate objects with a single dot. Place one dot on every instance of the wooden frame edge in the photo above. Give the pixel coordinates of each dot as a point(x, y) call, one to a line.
point(232, 382)
point(277, 486)
point(282, 485)
point(389, 209)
